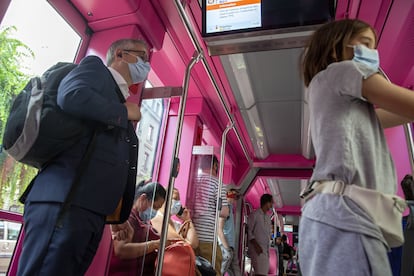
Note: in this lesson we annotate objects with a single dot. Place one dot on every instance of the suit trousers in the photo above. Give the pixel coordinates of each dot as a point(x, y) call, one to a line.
point(66, 249)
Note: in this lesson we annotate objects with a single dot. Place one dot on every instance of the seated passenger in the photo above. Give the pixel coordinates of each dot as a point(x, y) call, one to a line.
point(179, 259)
point(183, 230)
point(142, 240)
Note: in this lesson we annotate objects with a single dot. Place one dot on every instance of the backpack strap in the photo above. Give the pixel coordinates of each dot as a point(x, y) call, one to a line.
point(81, 168)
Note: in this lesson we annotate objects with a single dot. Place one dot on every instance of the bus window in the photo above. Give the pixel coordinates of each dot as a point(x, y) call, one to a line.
point(9, 232)
point(36, 37)
point(149, 132)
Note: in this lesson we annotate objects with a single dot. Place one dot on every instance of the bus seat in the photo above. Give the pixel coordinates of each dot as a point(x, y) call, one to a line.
point(101, 261)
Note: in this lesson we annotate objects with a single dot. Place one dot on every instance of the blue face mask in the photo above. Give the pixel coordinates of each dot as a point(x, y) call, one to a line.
point(139, 70)
point(366, 59)
point(148, 214)
point(175, 207)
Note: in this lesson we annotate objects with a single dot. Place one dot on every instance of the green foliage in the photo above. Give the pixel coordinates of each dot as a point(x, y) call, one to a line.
point(14, 176)
point(12, 79)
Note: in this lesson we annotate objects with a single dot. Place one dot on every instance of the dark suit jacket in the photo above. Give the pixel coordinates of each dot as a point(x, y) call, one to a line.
point(89, 92)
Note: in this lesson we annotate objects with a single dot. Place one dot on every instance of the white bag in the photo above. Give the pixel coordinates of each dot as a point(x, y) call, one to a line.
point(384, 209)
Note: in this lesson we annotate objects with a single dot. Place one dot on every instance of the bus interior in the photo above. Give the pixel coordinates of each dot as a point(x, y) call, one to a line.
point(232, 92)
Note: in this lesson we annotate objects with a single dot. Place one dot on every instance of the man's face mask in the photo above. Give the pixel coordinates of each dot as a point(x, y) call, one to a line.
point(366, 59)
point(139, 70)
point(175, 207)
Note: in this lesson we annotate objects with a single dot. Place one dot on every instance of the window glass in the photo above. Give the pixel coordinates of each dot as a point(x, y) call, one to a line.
point(149, 133)
point(13, 230)
point(33, 37)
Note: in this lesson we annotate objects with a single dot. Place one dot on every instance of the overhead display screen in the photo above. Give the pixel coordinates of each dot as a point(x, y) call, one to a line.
point(235, 16)
point(230, 15)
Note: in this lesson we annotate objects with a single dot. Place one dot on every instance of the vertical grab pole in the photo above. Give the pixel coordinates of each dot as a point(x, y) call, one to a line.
point(175, 162)
point(209, 71)
point(220, 186)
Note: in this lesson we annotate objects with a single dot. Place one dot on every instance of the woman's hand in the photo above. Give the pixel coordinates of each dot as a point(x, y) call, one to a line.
point(122, 232)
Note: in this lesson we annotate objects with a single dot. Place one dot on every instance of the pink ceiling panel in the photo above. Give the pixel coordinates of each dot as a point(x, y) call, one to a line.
point(101, 41)
point(94, 10)
point(106, 14)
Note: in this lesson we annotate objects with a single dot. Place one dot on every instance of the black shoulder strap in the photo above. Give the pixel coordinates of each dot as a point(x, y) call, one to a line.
point(81, 168)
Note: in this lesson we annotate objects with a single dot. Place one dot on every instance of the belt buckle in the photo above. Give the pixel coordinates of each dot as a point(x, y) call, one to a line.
point(341, 187)
point(305, 193)
point(308, 190)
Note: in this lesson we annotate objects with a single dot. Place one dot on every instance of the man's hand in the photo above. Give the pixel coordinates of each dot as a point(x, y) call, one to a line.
point(257, 247)
point(122, 232)
point(227, 253)
point(134, 112)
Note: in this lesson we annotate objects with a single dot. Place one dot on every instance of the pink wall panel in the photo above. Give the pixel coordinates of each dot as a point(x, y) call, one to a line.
point(188, 137)
point(399, 151)
point(396, 41)
point(168, 65)
point(102, 9)
point(368, 10)
point(4, 4)
point(106, 14)
point(347, 9)
point(189, 131)
point(101, 41)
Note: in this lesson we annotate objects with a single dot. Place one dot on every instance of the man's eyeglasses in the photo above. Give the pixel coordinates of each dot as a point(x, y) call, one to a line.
point(141, 54)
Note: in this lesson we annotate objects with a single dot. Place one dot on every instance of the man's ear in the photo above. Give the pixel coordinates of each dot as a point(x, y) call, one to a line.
point(118, 53)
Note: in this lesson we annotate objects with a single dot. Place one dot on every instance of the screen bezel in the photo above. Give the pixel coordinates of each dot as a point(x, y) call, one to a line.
point(331, 7)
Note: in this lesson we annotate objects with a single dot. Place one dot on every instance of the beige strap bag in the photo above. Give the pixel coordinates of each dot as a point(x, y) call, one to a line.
point(385, 210)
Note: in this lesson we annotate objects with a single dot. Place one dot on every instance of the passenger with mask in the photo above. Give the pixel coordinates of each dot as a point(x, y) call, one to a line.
point(136, 254)
point(65, 240)
point(183, 229)
point(343, 229)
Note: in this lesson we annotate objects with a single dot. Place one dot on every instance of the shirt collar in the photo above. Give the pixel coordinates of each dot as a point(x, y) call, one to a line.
point(123, 86)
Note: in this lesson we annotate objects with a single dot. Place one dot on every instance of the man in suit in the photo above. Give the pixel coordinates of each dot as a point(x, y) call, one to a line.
point(64, 243)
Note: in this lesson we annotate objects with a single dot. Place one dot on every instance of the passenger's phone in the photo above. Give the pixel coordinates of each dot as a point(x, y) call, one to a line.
point(181, 211)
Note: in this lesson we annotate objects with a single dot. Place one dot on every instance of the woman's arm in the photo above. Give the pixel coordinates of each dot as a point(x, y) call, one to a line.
point(130, 250)
point(220, 232)
point(395, 103)
point(191, 237)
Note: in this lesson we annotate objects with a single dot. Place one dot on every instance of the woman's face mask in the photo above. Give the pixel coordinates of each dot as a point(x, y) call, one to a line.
point(175, 207)
point(366, 59)
point(148, 214)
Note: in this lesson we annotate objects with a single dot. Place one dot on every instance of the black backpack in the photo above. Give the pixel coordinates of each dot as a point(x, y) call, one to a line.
point(37, 129)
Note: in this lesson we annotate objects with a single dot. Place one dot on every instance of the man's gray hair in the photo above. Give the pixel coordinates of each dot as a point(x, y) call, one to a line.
point(125, 43)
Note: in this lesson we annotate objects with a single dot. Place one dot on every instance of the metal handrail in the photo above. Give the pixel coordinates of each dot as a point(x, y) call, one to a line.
point(198, 47)
point(174, 163)
point(220, 187)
